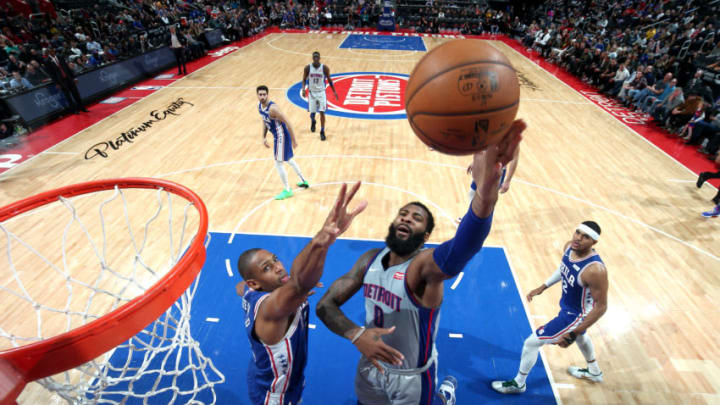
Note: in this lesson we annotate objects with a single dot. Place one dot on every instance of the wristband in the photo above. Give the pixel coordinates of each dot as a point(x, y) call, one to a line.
point(571, 339)
point(357, 335)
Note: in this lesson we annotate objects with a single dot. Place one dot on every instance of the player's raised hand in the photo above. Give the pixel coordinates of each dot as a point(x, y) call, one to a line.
point(372, 346)
point(339, 219)
point(487, 164)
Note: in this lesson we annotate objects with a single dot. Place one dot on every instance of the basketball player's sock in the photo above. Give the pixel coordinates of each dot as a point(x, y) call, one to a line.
point(588, 350)
point(295, 167)
point(529, 356)
point(283, 174)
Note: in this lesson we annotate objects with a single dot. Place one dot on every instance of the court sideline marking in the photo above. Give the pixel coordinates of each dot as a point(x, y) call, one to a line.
point(4, 176)
point(532, 327)
point(454, 166)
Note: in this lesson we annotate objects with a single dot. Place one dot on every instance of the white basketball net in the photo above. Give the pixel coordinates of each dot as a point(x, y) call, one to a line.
point(162, 363)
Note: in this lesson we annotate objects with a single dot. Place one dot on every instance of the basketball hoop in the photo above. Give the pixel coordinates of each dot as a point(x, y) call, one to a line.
point(151, 322)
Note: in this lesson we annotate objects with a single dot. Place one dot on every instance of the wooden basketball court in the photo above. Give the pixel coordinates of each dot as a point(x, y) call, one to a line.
point(656, 343)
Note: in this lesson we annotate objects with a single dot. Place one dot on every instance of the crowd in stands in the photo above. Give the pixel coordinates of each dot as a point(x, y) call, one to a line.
point(656, 56)
point(660, 58)
point(89, 38)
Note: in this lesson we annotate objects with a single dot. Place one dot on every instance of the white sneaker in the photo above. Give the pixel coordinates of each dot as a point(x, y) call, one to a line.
point(578, 372)
point(508, 387)
point(447, 390)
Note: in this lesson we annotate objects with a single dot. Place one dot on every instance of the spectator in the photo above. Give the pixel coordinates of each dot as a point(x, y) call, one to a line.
point(92, 46)
point(177, 44)
point(616, 84)
point(18, 82)
point(5, 131)
point(663, 109)
point(636, 79)
point(654, 90)
point(35, 76)
point(93, 60)
point(688, 128)
point(15, 64)
point(109, 54)
point(652, 101)
point(132, 47)
point(705, 130)
point(64, 79)
point(75, 50)
point(77, 69)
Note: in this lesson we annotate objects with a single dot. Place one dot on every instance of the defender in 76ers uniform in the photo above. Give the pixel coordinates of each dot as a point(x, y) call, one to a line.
point(315, 74)
point(584, 301)
point(283, 140)
point(403, 288)
point(276, 309)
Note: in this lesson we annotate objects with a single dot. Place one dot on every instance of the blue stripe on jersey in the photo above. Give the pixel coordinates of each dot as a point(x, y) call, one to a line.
point(427, 323)
point(574, 296)
point(427, 393)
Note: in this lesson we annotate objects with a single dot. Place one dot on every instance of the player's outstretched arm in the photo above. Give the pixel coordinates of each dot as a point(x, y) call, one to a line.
point(448, 259)
point(326, 71)
point(328, 310)
point(265, 131)
point(595, 278)
point(308, 266)
point(306, 73)
point(554, 278)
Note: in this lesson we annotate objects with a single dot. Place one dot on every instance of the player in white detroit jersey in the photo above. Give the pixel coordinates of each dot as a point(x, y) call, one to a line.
point(315, 75)
point(584, 301)
point(403, 288)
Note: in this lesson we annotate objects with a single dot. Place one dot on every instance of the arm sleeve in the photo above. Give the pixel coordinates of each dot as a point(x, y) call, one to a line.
point(452, 256)
point(554, 278)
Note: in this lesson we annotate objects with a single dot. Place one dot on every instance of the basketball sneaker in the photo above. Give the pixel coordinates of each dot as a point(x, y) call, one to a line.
point(581, 373)
point(322, 135)
point(446, 392)
point(508, 387)
point(312, 126)
point(284, 195)
point(303, 184)
point(712, 214)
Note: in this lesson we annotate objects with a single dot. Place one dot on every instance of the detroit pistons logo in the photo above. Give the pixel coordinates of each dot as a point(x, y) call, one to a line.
point(365, 95)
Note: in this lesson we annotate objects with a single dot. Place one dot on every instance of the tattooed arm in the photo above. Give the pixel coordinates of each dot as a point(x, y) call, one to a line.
point(328, 310)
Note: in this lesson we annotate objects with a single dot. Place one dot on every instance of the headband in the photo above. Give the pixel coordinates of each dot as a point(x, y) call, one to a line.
point(588, 231)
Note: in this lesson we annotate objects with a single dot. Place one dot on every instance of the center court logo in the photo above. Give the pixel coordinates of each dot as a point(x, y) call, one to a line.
point(367, 95)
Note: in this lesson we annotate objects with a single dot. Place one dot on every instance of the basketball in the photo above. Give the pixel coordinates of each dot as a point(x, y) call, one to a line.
point(462, 96)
